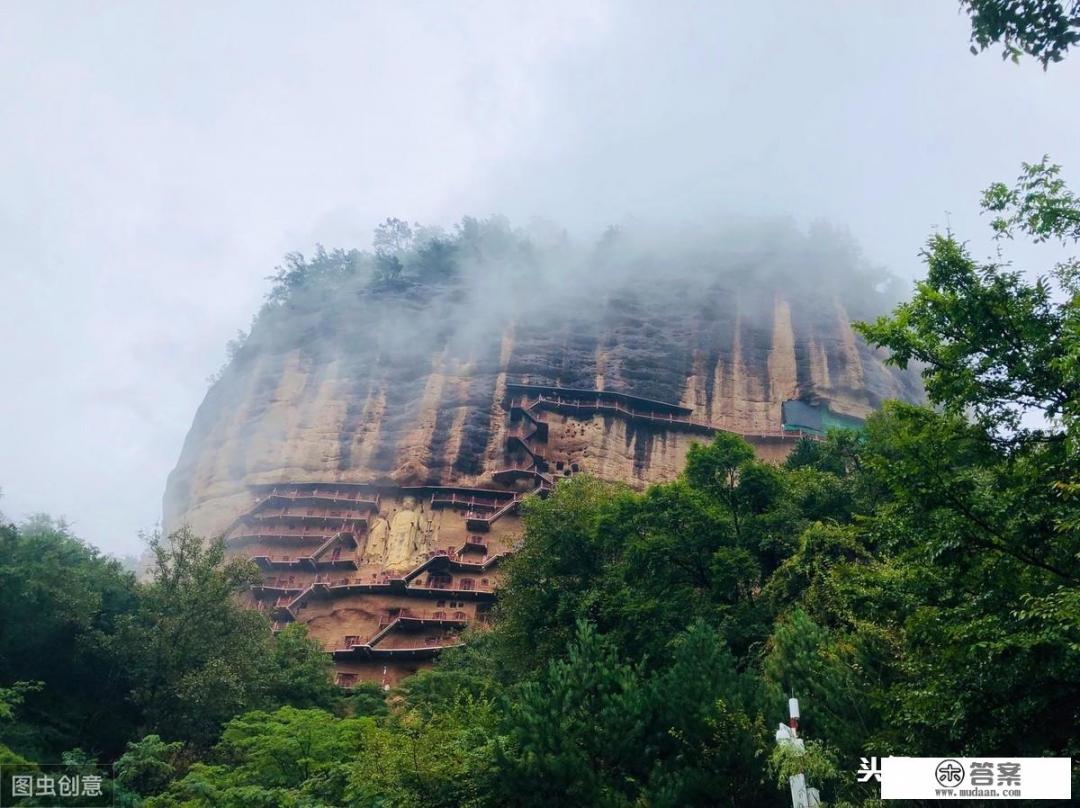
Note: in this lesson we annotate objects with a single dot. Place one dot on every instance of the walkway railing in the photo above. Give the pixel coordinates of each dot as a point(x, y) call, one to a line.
point(455, 500)
point(335, 495)
point(668, 419)
point(289, 532)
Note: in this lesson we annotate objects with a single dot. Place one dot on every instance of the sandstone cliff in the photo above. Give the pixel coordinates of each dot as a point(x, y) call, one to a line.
point(393, 368)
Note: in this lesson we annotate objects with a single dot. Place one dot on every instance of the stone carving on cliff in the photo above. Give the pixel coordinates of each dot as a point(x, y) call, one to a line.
point(375, 549)
point(405, 540)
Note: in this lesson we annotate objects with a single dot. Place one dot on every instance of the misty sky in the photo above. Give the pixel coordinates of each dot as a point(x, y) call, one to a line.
point(159, 159)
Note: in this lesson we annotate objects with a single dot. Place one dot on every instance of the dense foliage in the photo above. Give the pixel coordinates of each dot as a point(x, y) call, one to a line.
point(90, 659)
point(916, 584)
point(1045, 29)
point(60, 602)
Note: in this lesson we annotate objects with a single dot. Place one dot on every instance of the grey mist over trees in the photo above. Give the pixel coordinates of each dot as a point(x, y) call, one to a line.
point(430, 323)
point(466, 284)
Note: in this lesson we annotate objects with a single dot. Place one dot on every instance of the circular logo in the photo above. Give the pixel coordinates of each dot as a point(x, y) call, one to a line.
point(949, 773)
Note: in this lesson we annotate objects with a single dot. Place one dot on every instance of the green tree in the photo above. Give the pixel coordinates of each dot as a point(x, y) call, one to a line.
point(365, 698)
point(994, 345)
point(552, 577)
point(192, 649)
point(979, 498)
point(288, 757)
point(643, 567)
point(392, 236)
point(440, 759)
point(298, 671)
point(593, 729)
point(1045, 29)
point(569, 730)
point(10, 699)
point(681, 558)
point(146, 769)
point(300, 275)
point(60, 603)
point(826, 670)
point(388, 272)
point(199, 657)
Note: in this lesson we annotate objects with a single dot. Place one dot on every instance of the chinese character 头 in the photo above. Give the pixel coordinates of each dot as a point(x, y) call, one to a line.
point(869, 769)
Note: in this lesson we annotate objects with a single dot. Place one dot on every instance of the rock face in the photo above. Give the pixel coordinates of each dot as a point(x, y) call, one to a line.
point(510, 368)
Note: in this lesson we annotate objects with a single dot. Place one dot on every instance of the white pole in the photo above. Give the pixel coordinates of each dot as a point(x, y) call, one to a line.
point(801, 795)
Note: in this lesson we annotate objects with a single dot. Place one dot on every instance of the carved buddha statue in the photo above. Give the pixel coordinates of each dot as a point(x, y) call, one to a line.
point(403, 542)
